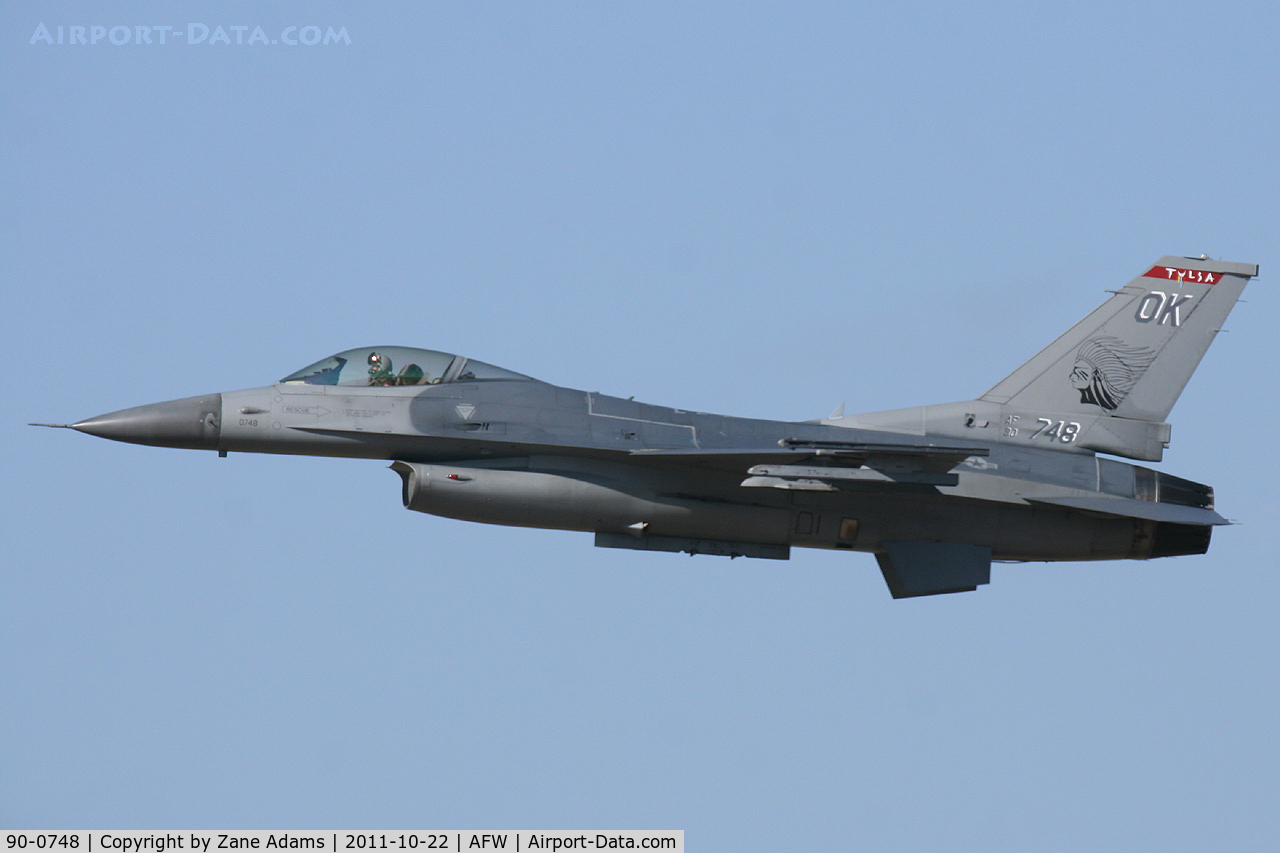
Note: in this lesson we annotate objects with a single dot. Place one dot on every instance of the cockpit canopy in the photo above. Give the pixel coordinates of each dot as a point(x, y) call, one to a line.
point(397, 366)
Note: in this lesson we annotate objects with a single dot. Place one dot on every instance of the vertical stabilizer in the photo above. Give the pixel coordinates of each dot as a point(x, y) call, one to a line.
point(1132, 357)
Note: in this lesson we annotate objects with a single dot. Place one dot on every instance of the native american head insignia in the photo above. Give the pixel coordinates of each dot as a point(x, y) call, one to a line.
point(1106, 370)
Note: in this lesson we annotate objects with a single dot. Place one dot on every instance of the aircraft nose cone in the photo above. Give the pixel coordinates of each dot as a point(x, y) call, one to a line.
point(194, 422)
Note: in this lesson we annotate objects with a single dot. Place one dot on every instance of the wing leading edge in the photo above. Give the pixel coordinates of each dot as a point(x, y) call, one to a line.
point(828, 465)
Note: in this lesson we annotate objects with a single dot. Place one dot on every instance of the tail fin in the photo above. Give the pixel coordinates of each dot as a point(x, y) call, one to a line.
point(1132, 357)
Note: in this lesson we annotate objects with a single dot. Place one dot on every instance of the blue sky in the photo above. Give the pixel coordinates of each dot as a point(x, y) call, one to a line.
point(753, 209)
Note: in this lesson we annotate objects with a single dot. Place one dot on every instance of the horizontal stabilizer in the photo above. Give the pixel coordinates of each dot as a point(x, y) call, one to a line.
point(932, 568)
point(1126, 508)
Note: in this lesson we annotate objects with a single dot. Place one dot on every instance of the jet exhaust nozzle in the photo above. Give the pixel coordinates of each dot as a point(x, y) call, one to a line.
point(194, 423)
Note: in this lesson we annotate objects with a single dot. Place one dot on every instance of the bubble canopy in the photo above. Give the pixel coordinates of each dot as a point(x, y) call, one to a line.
point(397, 366)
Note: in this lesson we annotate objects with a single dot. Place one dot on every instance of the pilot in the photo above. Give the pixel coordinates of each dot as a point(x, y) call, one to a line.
point(411, 374)
point(380, 370)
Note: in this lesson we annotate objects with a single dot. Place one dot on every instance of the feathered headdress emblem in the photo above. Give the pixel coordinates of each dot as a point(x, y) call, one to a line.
point(1106, 370)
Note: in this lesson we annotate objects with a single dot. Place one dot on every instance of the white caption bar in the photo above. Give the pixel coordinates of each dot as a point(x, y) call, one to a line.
point(339, 841)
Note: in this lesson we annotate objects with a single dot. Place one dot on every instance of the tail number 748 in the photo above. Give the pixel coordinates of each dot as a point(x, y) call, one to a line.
point(1064, 431)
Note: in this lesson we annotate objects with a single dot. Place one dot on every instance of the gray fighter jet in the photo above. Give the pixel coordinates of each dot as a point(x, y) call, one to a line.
point(935, 492)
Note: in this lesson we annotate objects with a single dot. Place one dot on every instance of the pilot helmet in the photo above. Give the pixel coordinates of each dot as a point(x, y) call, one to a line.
point(379, 365)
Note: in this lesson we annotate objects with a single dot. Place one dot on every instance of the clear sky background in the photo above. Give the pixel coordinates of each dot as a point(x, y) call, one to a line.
point(752, 209)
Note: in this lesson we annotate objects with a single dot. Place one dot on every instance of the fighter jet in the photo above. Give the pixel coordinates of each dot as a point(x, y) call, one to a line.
point(1022, 473)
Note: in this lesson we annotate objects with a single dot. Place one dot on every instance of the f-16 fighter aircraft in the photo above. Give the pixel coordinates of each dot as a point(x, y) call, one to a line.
point(935, 492)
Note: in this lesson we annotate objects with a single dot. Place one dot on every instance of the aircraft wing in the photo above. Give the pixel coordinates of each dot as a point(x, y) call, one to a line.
point(828, 465)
